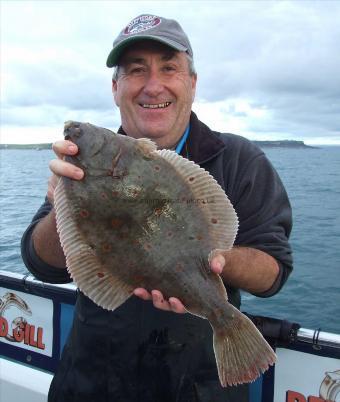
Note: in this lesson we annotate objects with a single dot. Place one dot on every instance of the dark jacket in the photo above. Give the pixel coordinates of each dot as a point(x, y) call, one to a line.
point(139, 353)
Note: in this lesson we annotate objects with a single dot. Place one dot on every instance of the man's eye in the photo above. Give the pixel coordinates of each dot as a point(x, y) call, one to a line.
point(169, 68)
point(136, 70)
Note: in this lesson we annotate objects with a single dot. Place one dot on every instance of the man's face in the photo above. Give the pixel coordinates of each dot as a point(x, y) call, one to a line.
point(154, 92)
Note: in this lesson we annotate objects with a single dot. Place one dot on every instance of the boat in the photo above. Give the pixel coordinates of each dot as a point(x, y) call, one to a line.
point(36, 317)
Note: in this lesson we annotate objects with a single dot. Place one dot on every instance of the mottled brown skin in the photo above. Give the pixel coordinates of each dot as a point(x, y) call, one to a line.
point(130, 223)
point(135, 213)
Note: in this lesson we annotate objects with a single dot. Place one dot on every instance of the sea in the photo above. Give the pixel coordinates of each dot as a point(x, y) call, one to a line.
point(311, 296)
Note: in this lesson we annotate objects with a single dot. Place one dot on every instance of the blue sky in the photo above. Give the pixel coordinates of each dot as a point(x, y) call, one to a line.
point(266, 69)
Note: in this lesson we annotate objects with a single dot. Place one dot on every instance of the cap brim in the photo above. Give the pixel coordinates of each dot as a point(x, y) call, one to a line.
point(116, 52)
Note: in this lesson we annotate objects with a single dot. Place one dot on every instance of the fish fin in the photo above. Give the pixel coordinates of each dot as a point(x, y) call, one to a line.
point(242, 354)
point(146, 146)
point(92, 278)
point(222, 222)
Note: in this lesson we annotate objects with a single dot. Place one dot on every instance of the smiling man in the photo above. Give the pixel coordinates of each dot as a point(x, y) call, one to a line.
point(142, 351)
point(154, 89)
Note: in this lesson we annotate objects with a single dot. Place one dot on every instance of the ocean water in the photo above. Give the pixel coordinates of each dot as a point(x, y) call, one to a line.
point(311, 297)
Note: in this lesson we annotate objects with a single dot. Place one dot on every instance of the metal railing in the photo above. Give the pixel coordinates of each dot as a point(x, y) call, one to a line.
point(28, 283)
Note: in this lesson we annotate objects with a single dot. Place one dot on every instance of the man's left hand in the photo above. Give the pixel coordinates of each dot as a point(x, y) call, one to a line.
point(173, 304)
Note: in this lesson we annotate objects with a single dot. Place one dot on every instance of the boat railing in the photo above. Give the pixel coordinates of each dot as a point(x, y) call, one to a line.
point(36, 317)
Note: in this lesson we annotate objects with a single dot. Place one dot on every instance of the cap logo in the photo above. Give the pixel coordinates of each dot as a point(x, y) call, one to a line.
point(142, 23)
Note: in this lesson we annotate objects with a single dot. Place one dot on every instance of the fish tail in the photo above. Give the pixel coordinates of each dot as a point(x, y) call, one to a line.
point(242, 354)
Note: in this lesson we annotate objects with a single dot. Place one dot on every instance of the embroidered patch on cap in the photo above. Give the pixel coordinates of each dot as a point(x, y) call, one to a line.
point(142, 23)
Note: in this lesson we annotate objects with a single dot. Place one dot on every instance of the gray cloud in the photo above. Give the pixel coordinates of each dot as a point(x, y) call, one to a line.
point(281, 57)
point(58, 84)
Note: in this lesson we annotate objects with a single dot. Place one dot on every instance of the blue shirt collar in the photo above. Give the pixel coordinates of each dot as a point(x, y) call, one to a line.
point(182, 140)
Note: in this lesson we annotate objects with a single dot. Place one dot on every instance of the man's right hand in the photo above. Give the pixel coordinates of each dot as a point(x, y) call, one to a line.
point(61, 168)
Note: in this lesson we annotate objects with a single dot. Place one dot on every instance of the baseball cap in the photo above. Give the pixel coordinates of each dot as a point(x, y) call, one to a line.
point(150, 27)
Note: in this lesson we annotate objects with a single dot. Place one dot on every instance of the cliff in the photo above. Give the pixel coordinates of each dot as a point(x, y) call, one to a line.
point(282, 144)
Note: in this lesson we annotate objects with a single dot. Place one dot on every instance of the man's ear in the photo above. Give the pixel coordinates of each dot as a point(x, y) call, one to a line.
point(114, 92)
point(193, 86)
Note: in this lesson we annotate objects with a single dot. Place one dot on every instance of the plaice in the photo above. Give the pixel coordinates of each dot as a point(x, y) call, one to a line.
point(143, 217)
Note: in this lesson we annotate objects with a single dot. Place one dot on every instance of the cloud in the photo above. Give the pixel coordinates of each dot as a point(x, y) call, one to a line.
point(290, 71)
point(56, 79)
point(280, 60)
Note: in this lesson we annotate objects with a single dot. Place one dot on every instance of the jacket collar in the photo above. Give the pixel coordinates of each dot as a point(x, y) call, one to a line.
point(202, 143)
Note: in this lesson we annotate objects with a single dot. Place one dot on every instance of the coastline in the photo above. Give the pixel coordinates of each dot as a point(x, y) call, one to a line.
point(284, 144)
point(272, 144)
point(37, 147)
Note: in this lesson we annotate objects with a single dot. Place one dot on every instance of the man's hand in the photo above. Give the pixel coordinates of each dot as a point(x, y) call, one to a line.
point(173, 304)
point(245, 268)
point(61, 168)
point(242, 267)
point(217, 261)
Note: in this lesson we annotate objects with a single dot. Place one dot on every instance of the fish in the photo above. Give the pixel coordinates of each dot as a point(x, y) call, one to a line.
point(148, 218)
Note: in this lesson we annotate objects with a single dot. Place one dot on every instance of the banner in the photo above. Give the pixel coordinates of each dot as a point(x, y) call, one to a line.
point(26, 321)
point(304, 377)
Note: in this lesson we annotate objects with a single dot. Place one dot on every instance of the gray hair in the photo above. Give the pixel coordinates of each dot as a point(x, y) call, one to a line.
point(191, 65)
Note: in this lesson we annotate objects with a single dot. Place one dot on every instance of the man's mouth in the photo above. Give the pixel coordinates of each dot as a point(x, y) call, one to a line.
point(155, 105)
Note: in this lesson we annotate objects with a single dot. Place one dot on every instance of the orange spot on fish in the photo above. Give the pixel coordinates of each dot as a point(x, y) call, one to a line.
point(199, 237)
point(100, 275)
point(84, 213)
point(139, 281)
point(191, 178)
point(106, 247)
point(214, 220)
point(158, 211)
point(138, 278)
point(123, 235)
point(116, 223)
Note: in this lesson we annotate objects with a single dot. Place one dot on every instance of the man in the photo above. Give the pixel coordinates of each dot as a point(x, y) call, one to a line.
point(142, 351)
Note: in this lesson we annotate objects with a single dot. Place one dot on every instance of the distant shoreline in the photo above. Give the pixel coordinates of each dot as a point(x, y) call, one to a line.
point(37, 147)
point(283, 144)
point(272, 144)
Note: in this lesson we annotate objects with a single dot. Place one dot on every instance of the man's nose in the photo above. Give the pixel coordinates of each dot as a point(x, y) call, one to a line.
point(154, 84)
